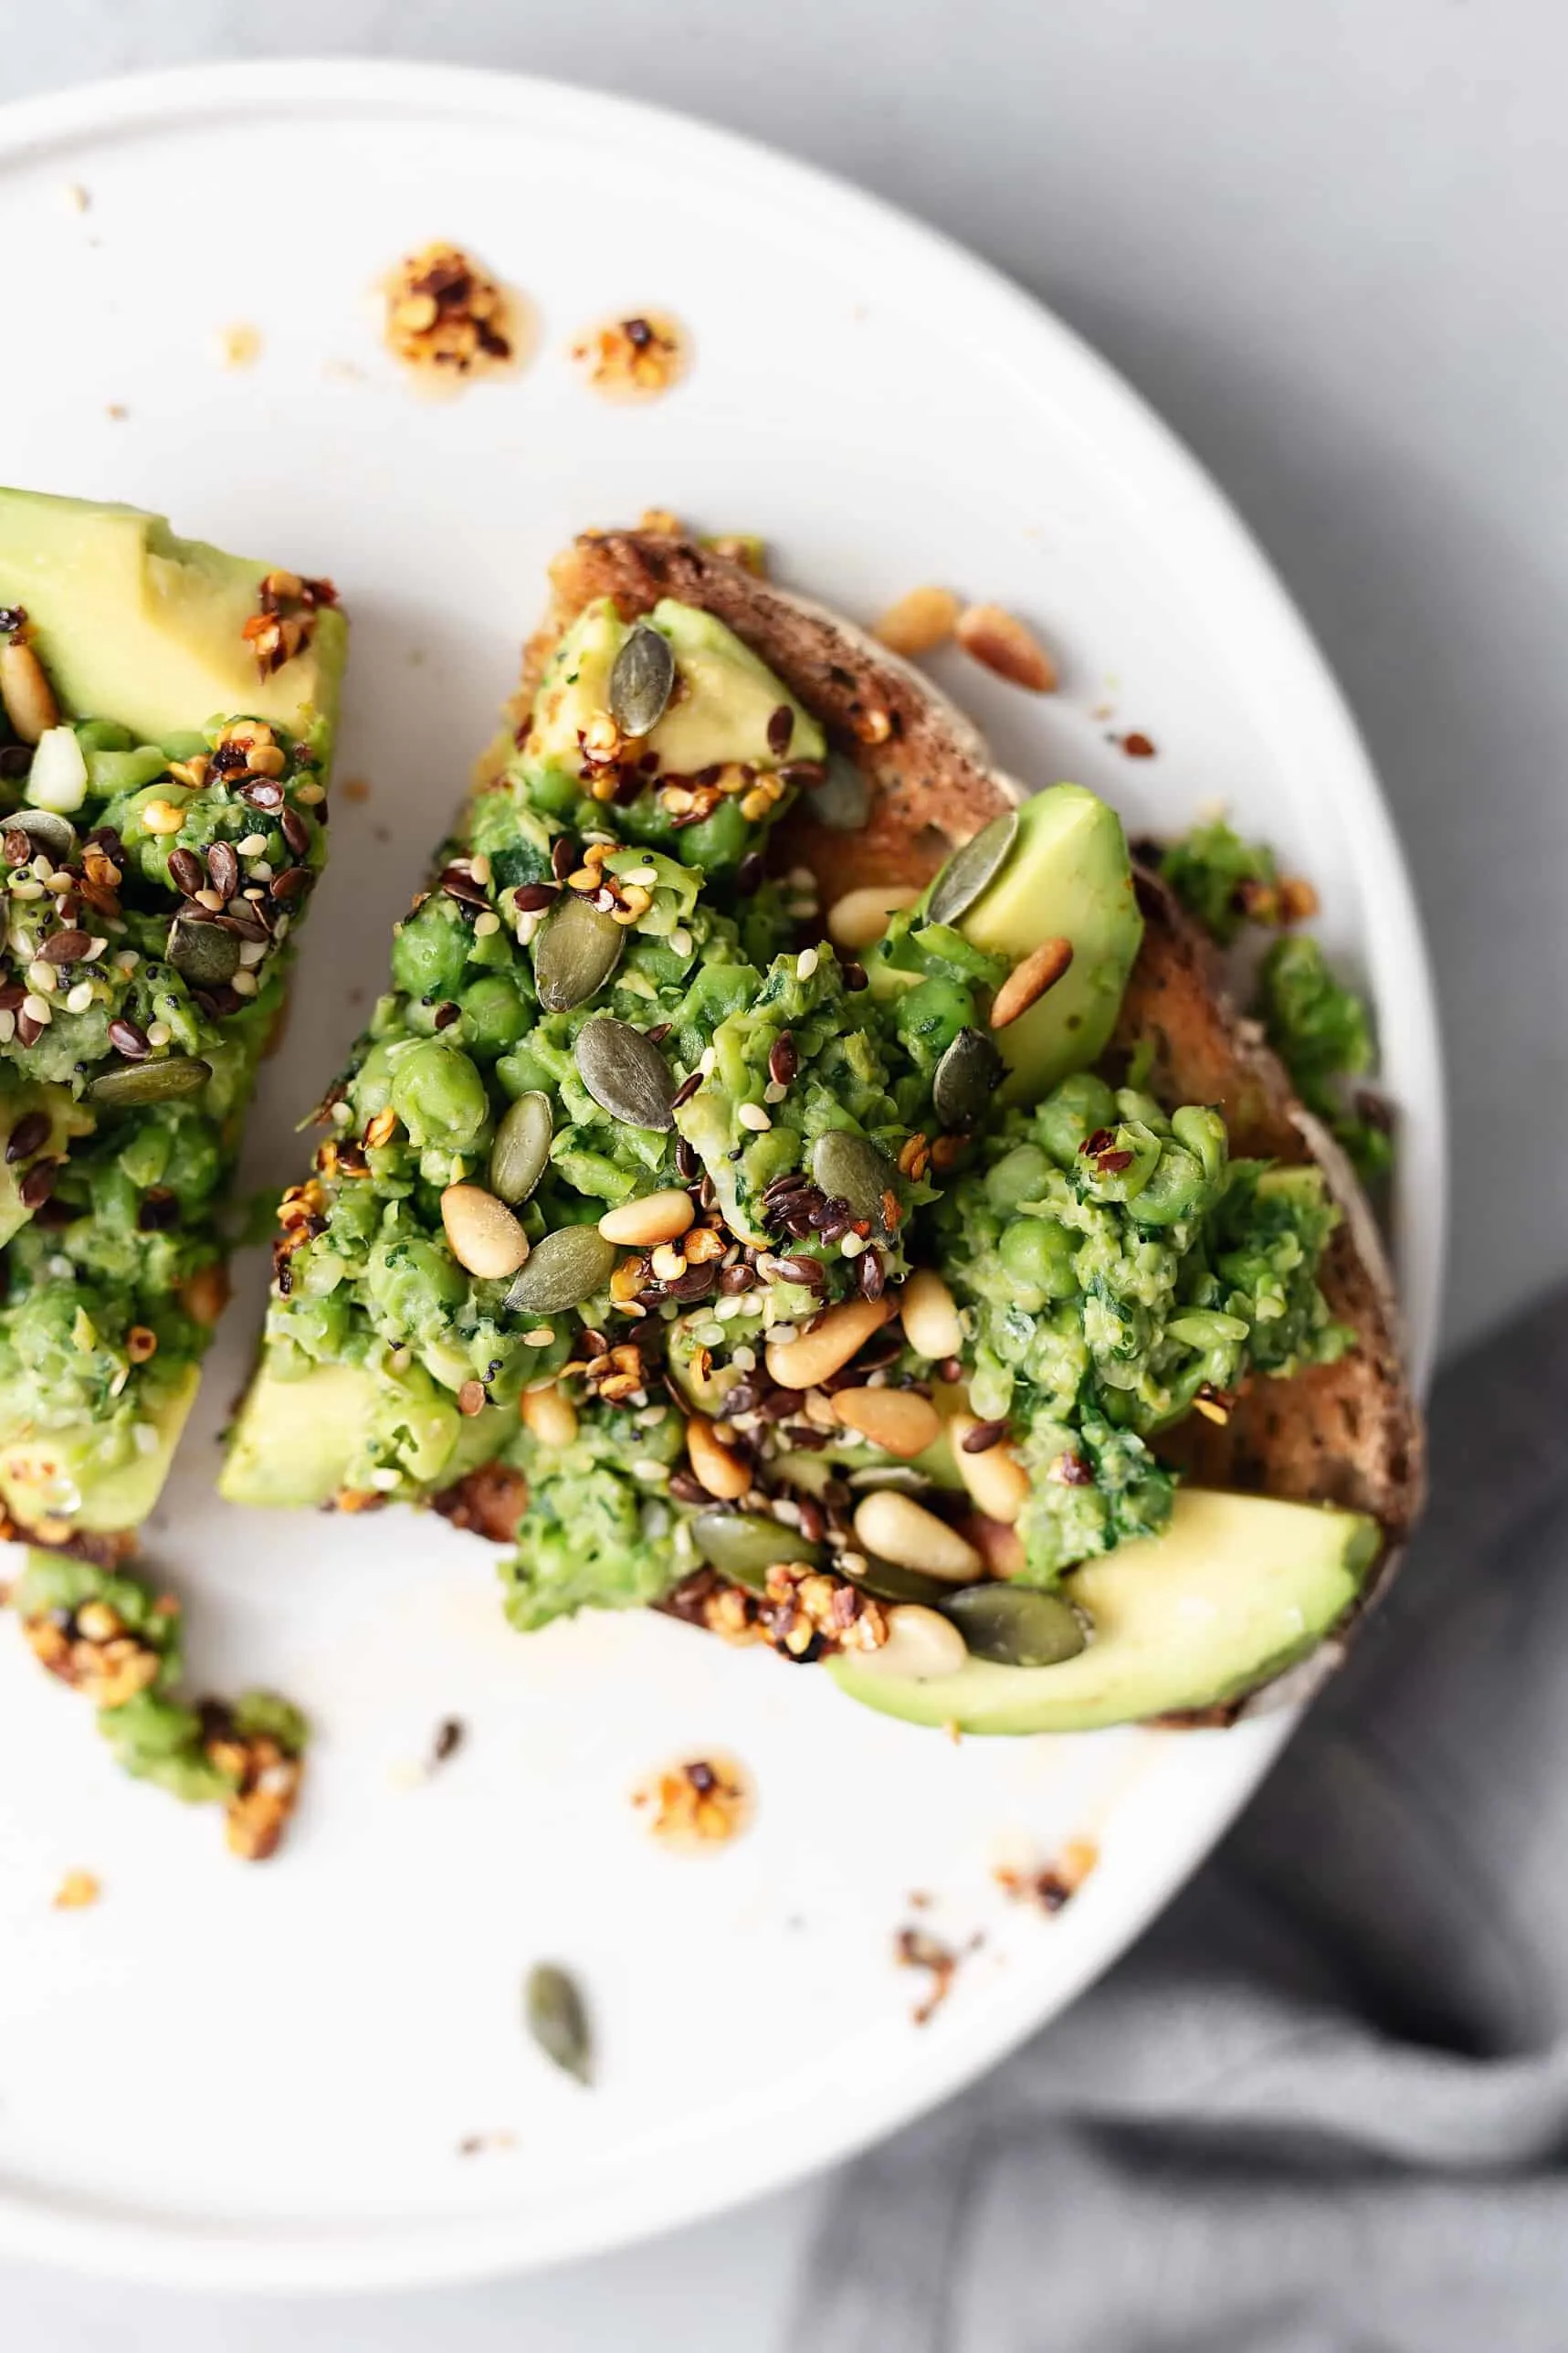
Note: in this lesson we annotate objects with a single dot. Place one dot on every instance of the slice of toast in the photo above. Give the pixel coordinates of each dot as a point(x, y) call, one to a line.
point(1347, 1433)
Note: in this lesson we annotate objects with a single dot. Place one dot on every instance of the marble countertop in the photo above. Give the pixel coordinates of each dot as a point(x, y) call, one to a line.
point(1325, 243)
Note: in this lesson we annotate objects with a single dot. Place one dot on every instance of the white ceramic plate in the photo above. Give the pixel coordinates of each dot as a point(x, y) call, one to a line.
point(263, 2076)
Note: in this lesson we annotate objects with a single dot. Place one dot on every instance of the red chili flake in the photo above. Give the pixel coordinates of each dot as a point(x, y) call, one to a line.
point(1070, 1470)
point(1137, 746)
point(1111, 1164)
point(1100, 1141)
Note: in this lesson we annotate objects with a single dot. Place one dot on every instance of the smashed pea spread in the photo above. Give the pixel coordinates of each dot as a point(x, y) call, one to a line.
point(763, 1276)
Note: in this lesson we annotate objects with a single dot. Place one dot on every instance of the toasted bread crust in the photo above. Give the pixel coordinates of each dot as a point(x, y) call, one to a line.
point(931, 782)
point(1347, 1434)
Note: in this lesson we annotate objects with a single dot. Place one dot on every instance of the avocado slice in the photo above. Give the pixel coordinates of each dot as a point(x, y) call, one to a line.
point(720, 713)
point(293, 1442)
point(134, 624)
point(1238, 1589)
point(48, 1477)
point(1068, 876)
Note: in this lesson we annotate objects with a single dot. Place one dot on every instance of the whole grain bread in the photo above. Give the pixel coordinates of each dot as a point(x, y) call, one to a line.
point(1347, 1433)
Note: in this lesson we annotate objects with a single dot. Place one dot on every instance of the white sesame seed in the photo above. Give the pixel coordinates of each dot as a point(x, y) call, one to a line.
point(144, 1437)
point(400, 1358)
point(126, 960)
point(806, 964)
point(485, 924)
point(479, 867)
point(243, 983)
point(43, 978)
point(540, 1338)
point(725, 1308)
point(774, 1092)
point(645, 875)
point(8, 1027)
point(708, 1336)
point(280, 925)
point(211, 900)
point(43, 866)
point(261, 872)
point(384, 1481)
point(526, 927)
point(342, 1115)
point(744, 1360)
point(36, 1010)
point(93, 948)
point(78, 998)
point(681, 942)
point(252, 845)
point(646, 1468)
point(753, 1116)
point(158, 1033)
point(251, 952)
point(22, 889)
point(708, 1061)
point(851, 1246)
point(800, 878)
point(652, 1415)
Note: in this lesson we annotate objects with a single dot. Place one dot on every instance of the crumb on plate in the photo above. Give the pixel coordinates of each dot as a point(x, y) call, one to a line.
point(698, 1805)
point(77, 1891)
point(448, 319)
point(633, 358)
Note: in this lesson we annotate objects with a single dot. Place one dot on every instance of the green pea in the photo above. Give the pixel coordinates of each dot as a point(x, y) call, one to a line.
point(1175, 1187)
point(1072, 1112)
point(1132, 1103)
point(929, 1015)
point(439, 1096)
point(430, 950)
point(494, 1015)
point(1204, 1132)
point(1038, 1254)
point(1021, 1175)
point(415, 1283)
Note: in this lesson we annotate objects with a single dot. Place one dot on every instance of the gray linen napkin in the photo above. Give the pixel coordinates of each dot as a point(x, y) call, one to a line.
point(1324, 2105)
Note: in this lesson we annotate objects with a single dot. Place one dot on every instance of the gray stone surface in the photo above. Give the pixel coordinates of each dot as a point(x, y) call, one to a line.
point(1325, 240)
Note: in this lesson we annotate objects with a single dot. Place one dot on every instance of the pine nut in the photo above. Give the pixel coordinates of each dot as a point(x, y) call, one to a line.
point(1000, 1547)
point(712, 1463)
point(824, 1350)
point(485, 1237)
point(550, 1417)
point(919, 621)
point(1027, 982)
point(904, 1532)
point(25, 693)
point(990, 634)
point(923, 1646)
point(996, 1479)
point(205, 1293)
point(902, 1422)
point(930, 1316)
point(861, 916)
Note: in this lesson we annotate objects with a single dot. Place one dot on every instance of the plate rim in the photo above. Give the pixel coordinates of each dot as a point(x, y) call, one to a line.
point(287, 2257)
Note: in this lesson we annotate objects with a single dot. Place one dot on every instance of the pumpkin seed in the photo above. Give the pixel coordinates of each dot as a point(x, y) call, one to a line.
point(743, 1546)
point(901, 1477)
point(973, 869)
point(576, 951)
point(558, 2020)
point(53, 834)
point(145, 1082)
point(203, 953)
point(1016, 1627)
point(886, 1581)
point(642, 681)
point(843, 799)
point(624, 1072)
point(850, 1168)
point(965, 1080)
point(520, 1153)
point(567, 1266)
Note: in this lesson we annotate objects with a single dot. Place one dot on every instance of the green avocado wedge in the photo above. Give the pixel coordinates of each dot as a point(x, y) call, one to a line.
point(1236, 1591)
point(1067, 875)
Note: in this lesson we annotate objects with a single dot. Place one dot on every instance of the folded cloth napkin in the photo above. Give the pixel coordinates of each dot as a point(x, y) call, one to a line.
point(1324, 2107)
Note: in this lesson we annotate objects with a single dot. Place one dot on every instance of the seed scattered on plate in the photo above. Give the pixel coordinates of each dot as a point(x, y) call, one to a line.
point(917, 1948)
point(1057, 1883)
point(633, 358)
point(77, 1891)
point(698, 1805)
point(998, 639)
point(557, 2017)
point(239, 346)
point(448, 320)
